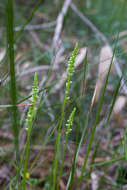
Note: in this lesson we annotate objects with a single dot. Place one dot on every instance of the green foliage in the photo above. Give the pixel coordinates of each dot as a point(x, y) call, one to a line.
point(30, 117)
point(86, 120)
point(31, 111)
point(70, 70)
point(13, 91)
point(69, 122)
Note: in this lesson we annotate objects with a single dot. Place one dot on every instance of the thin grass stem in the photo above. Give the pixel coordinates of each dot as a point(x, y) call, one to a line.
point(13, 91)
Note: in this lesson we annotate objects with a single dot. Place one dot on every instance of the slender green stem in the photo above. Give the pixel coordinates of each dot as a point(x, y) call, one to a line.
point(57, 147)
point(69, 124)
point(84, 75)
point(70, 187)
point(22, 28)
point(30, 117)
point(96, 121)
point(107, 162)
point(77, 152)
point(13, 91)
point(70, 71)
point(29, 19)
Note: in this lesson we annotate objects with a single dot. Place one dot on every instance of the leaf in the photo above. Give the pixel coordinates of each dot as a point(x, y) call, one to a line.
point(104, 63)
point(119, 104)
point(2, 54)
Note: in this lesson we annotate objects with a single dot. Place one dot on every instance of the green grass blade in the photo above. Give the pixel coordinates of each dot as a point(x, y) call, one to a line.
point(69, 124)
point(28, 19)
point(77, 152)
point(77, 148)
point(125, 144)
point(116, 91)
point(70, 71)
point(71, 181)
point(84, 75)
point(30, 118)
point(13, 91)
point(107, 162)
point(23, 27)
point(41, 90)
point(101, 101)
point(96, 120)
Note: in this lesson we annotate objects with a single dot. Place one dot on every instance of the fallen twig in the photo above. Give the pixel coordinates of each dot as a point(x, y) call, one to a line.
point(33, 70)
point(38, 42)
point(36, 27)
point(59, 23)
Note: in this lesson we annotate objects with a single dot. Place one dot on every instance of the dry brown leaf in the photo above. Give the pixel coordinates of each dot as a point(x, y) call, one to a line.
point(119, 104)
point(104, 63)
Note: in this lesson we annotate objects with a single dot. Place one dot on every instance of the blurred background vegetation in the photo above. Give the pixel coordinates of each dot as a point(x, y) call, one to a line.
point(33, 49)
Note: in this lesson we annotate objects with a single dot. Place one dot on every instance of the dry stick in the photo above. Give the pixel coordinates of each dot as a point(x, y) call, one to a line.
point(59, 24)
point(33, 70)
point(58, 56)
point(57, 42)
point(103, 38)
point(38, 42)
point(32, 27)
point(36, 27)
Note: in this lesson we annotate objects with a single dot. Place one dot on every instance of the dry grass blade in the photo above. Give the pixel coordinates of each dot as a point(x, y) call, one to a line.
point(2, 54)
point(104, 63)
point(59, 24)
point(119, 104)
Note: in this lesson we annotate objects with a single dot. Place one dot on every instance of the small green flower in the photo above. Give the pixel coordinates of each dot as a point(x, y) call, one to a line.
point(70, 121)
point(31, 111)
point(71, 63)
point(29, 121)
point(70, 69)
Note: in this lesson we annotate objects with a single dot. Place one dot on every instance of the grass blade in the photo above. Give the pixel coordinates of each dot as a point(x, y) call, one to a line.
point(30, 118)
point(13, 91)
point(107, 162)
point(70, 71)
point(84, 75)
point(96, 121)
